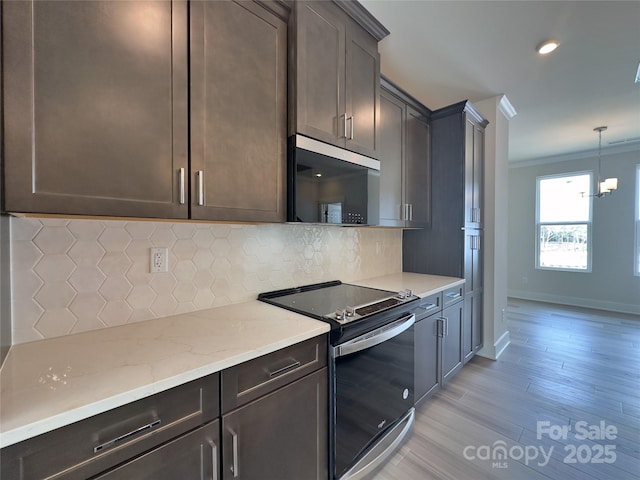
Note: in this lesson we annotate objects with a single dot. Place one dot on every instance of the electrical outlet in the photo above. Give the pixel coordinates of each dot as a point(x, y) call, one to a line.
point(159, 261)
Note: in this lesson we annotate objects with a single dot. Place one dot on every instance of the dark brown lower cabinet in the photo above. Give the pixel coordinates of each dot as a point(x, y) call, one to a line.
point(472, 330)
point(452, 317)
point(282, 435)
point(439, 336)
point(161, 426)
point(427, 347)
point(192, 456)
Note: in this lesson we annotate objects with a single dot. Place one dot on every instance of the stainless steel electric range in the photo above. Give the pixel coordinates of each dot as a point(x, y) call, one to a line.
point(371, 365)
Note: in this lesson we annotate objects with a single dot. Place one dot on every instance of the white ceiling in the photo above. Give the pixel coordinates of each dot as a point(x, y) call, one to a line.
point(443, 52)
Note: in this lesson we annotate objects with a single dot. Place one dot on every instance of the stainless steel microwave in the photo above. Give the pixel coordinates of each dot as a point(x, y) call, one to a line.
point(327, 184)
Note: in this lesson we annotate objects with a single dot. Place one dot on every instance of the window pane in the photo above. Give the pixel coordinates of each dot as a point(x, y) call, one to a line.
point(563, 246)
point(561, 200)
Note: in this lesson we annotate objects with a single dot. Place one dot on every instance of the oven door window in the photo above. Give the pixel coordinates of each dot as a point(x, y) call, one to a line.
point(374, 388)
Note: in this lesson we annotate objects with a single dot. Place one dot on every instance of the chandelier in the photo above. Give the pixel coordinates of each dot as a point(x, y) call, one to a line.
point(608, 185)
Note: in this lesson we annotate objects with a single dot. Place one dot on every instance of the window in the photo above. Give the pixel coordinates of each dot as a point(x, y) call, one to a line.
point(563, 221)
point(636, 269)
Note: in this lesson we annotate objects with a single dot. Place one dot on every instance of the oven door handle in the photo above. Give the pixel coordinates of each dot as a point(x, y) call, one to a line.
point(375, 337)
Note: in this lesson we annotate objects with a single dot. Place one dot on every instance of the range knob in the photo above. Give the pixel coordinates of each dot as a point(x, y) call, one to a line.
point(340, 314)
point(351, 311)
point(404, 294)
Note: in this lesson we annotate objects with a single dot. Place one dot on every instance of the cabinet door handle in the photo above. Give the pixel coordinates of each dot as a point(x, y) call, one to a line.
point(351, 133)
point(234, 453)
point(181, 186)
point(446, 326)
point(440, 327)
point(200, 180)
point(344, 125)
point(411, 212)
point(127, 436)
point(214, 459)
point(405, 211)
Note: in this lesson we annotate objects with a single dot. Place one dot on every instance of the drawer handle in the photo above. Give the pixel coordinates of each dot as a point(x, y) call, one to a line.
point(283, 370)
point(126, 436)
point(453, 295)
point(428, 306)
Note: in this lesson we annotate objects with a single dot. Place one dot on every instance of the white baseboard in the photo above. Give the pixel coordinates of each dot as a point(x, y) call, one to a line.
point(494, 351)
point(576, 301)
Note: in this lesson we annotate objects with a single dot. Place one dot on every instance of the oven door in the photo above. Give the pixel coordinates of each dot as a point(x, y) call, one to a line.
point(373, 392)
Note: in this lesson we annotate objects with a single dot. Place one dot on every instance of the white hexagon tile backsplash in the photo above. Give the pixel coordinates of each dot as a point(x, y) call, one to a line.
point(70, 276)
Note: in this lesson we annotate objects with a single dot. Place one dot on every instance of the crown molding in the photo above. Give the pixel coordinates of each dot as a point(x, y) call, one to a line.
point(583, 155)
point(506, 108)
point(361, 15)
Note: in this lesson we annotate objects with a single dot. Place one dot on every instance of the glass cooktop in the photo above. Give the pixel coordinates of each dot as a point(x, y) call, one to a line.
point(324, 300)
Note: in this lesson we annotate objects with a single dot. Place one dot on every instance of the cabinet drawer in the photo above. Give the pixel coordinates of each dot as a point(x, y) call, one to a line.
point(98, 443)
point(452, 295)
point(250, 380)
point(429, 306)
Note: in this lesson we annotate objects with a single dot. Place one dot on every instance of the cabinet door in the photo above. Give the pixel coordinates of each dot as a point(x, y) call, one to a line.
point(417, 170)
point(472, 325)
point(95, 99)
point(478, 173)
point(238, 112)
point(473, 176)
point(452, 340)
point(362, 91)
point(191, 456)
point(427, 350)
point(392, 128)
point(320, 72)
point(467, 328)
point(282, 435)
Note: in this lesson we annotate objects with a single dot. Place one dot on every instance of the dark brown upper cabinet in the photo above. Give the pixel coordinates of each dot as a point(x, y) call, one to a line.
point(404, 153)
point(238, 111)
point(96, 109)
point(334, 93)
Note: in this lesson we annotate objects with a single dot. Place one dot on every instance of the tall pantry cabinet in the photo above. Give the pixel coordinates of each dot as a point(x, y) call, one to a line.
point(453, 244)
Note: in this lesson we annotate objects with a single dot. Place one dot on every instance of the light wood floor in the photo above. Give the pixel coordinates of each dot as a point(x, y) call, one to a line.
point(564, 365)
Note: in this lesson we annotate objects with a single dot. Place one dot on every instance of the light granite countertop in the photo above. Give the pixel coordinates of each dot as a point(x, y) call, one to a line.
point(421, 285)
point(51, 383)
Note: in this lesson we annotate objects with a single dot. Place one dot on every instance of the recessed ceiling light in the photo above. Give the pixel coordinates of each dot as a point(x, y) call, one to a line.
point(547, 47)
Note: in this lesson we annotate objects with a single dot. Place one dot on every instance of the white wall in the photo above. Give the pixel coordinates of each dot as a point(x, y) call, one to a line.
point(611, 284)
point(498, 111)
